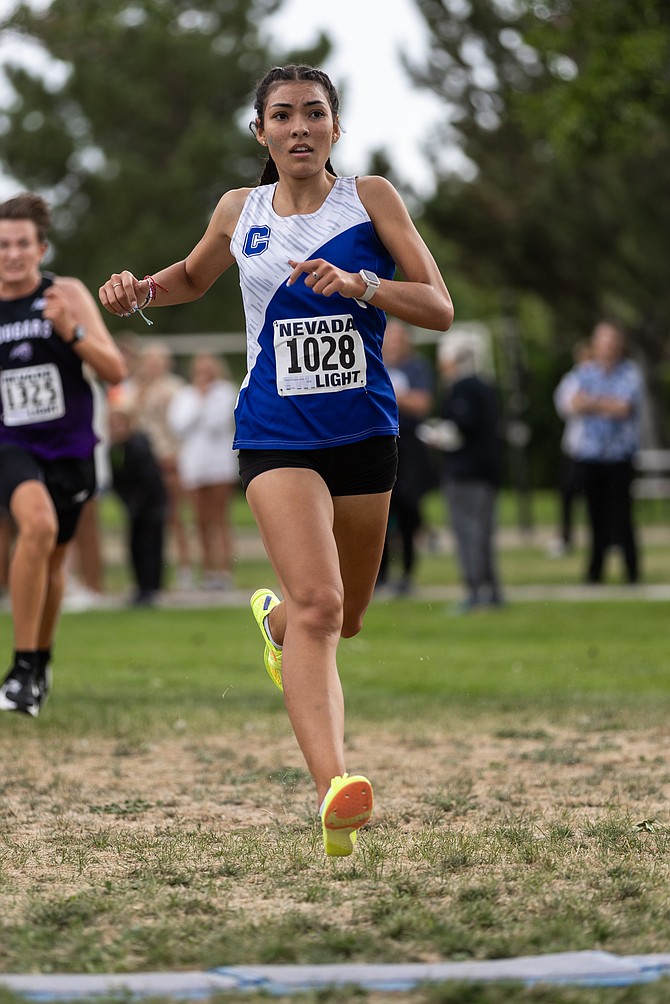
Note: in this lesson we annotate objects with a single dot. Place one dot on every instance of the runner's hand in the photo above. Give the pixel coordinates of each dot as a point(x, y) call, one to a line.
point(326, 279)
point(59, 312)
point(123, 293)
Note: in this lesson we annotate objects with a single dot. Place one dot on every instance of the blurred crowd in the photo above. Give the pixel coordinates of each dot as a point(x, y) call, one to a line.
point(165, 453)
point(453, 435)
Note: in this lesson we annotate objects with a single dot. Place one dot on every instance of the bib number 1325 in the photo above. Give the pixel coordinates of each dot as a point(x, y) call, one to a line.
point(318, 355)
point(31, 394)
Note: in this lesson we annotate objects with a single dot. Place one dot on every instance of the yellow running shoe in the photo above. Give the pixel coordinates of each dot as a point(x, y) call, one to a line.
point(262, 602)
point(347, 806)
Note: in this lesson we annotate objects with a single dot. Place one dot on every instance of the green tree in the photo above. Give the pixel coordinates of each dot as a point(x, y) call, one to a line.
point(146, 132)
point(563, 109)
point(613, 64)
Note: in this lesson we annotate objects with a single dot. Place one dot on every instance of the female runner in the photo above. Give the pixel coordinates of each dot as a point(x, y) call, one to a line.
point(316, 418)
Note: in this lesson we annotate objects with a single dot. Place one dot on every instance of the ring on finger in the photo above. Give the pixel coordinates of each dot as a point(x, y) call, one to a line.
point(115, 284)
point(316, 275)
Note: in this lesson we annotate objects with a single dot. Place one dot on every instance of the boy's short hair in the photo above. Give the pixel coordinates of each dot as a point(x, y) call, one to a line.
point(28, 206)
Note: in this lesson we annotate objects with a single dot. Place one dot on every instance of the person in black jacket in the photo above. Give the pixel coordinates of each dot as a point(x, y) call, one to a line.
point(138, 482)
point(413, 381)
point(472, 470)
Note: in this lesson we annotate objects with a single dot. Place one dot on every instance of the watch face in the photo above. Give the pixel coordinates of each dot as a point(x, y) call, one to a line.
point(370, 276)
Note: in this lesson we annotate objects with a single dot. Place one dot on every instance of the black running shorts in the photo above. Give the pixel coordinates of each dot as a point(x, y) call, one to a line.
point(69, 481)
point(365, 468)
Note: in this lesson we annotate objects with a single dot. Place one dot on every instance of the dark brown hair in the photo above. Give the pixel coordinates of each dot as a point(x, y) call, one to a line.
point(28, 206)
point(280, 75)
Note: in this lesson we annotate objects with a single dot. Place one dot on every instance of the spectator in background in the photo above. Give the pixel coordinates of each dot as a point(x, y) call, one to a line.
point(130, 346)
point(571, 479)
point(412, 380)
point(84, 572)
point(201, 416)
point(85, 586)
point(151, 392)
point(472, 471)
point(138, 482)
point(607, 399)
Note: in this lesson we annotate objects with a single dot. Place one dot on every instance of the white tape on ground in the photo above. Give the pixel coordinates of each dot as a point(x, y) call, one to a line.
point(576, 968)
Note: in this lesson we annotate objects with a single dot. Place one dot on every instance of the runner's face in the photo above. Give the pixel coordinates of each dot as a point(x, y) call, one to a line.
point(298, 127)
point(21, 253)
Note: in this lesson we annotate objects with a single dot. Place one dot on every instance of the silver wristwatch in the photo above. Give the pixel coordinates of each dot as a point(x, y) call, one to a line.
point(372, 282)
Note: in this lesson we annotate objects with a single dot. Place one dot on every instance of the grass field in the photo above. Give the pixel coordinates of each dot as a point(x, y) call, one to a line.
point(158, 814)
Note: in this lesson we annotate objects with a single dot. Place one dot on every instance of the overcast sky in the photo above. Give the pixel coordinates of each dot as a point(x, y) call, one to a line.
point(380, 109)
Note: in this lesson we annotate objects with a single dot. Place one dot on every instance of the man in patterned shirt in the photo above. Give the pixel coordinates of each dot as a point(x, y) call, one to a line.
point(607, 395)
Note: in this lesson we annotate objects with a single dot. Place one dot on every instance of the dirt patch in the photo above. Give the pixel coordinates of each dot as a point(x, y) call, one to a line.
point(111, 850)
point(248, 780)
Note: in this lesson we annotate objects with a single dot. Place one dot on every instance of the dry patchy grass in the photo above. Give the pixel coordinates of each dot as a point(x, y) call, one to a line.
point(199, 852)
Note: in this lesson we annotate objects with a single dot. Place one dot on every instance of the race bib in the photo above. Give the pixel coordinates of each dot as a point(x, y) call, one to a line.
point(32, 394)
point(317, 355)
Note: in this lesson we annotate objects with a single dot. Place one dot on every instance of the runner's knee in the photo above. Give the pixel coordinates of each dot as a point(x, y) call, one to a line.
point(39, 527)
point(319, 610)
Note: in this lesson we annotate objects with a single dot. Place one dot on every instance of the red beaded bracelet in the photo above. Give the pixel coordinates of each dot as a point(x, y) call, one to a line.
point(152, 288)
point(151, 295)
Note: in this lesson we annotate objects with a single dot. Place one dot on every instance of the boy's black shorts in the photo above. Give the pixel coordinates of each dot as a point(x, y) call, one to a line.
point(365, 468)
point(69, 481)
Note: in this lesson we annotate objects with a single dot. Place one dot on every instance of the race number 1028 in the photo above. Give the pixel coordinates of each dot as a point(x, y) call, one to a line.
point(314, 355)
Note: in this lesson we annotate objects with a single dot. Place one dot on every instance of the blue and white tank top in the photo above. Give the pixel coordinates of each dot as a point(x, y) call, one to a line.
point(46, 401)
point(315, 375)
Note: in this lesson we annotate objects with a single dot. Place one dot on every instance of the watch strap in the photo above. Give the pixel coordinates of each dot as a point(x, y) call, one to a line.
point(370, 290)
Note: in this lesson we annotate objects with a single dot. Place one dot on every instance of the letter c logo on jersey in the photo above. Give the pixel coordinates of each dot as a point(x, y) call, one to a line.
point(256, 241)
